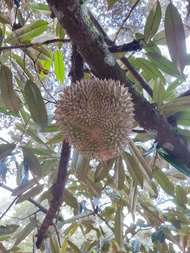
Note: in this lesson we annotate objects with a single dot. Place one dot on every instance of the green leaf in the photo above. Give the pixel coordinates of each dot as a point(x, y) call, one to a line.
point(8, 94)
point(27, 32)
point(163, 64)
point(179, 166)
point(70, 199)
point(21, 62)
point(119, 173)
point(36, 104)
point(140, 160)
point(32, 162)
point(103, 169)
point(30, 194)
point(82, 167)
point(95, 189)
point(175, 37)
point(159, 39)
point(180, 104)
point(8, 229)
point(163, 181)
point(132, 202)
point(133, 168)
point(60, 33)
point(54, 245)
point(40, 9)
point(40, 53)
point(118, 226)
point(73, 246)
point(6, 149)
point(23, 188)
point(59, 66)
point(149, 69)
point(158, 92)
point(153, 21)
point(4, 19)
point(25, 232)
point(181, 195)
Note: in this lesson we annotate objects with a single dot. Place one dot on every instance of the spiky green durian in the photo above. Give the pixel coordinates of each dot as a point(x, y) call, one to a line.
point(96, 117)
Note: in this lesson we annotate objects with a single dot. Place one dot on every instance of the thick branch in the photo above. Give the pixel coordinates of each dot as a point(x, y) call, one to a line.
point(58, 189)
point(72, 16)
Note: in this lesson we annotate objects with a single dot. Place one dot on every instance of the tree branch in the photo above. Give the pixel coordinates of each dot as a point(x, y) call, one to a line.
point(58, 189)
point(72, 16)
point(34, 44)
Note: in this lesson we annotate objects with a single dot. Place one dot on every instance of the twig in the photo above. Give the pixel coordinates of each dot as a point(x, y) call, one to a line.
point(137, 76)
point(41, 208)
point(9, 207)
point(135, 45)
point(129, 14)
point(35, 44)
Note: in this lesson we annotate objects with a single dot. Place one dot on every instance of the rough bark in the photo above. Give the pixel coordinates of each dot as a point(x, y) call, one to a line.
point(73, 16)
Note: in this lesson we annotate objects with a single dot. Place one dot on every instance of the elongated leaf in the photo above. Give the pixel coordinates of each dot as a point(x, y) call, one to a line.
point(82, 167)
point(132, 198)
point(94, 188)
point(152, 214)
point(6, 149)
point(40, 53)
point(23, 188)
point(149, 68)
point(73, 246)
point(27, 32)
point(8, 94)
point(158, 92)
point(153, 21)
point(60, 33)
point(4, 19)
point(133, 169)
point(70, 199)
point(25, 232)
point(32, 162)
point(163, 181)
point(118, 226)
point(57, 138)
point(59, 66)
point(30, 194)
point(36, 104)
point(21, 62)
point(179, 166)
point(181, 195)
point(103, 169)
point(54, 245)
point(163, 64)
point(175, 37)
point(145, 168)
point(180, 104)
point(40, 8)
point(119, 173)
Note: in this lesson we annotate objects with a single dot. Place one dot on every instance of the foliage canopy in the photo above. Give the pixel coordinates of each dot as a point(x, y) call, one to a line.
point(136, 202)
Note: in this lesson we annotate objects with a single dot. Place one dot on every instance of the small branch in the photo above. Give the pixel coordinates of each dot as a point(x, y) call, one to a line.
point(41, 208)
point(9, 207)
point(132, 46)
point(35, 44)
point(137, 76)
point(58, 189)
point(129, 14)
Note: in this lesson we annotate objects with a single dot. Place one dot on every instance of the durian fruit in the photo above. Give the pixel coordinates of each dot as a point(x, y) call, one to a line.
point(96, 117)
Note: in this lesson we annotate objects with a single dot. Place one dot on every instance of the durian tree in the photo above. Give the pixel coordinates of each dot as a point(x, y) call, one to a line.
point(94, 108)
